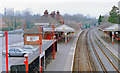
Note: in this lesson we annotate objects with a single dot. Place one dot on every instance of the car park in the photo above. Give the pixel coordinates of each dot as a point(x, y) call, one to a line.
point(29, 48)
point(16, 52)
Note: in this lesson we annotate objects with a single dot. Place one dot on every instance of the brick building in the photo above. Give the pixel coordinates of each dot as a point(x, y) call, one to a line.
point(31, 36)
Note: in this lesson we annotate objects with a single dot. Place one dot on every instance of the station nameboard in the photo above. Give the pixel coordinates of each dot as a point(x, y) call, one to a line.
point(41, 24)
point(32, 38)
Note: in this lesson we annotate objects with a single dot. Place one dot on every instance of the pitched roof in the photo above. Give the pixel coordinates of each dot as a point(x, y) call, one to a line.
point(43, 19)
point(115, 27)
point(47, 19)
point(33, 30)
point(64, 28)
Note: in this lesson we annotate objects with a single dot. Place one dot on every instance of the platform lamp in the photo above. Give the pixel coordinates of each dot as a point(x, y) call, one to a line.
point(40, 41)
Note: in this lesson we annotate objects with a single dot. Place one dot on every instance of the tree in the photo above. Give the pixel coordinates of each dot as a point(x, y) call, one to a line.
point(100, 19)
point(114, 15)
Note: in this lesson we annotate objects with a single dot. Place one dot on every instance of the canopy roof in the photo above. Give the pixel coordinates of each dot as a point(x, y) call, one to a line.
point(64, 28)
point(115, 27)
point(61, 28)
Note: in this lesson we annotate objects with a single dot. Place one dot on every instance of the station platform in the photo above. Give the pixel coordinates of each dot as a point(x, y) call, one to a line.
point(65, 55)
point(114, 48)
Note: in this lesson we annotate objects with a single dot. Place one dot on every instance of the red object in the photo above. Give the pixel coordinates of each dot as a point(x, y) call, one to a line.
point(113, 35)
point(65, 42)
point(53, 41)
point(80, 25)
point(112, 42)
point(59, 38)
point(49, 37)
point(41, 69)
point(109, 40)
point(6, 43)
point(26, 63)
point(40, 43)
point(68, 40)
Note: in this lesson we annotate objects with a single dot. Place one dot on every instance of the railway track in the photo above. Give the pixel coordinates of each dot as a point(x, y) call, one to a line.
point(103, 56)
point(83, 61)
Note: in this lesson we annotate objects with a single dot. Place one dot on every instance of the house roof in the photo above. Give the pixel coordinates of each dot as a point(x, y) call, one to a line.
point(33, 30)
point(115, 27)
point(43, 19)
point(47, 19)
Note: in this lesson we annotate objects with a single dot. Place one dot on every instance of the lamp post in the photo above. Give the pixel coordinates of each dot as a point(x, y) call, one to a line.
point(40, 43)
point(26, 62)
point(53, 41)
point(6, 43)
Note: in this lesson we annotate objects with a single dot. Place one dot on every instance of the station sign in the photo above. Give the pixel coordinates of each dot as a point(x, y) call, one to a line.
point(41, 24)
point(32, 38)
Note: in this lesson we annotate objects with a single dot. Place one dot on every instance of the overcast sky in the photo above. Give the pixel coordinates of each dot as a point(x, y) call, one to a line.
point(87, 7)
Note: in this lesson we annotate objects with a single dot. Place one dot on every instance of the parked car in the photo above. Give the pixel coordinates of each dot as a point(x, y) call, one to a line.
point(28, 48)
point(16, 52)
point(2, 35)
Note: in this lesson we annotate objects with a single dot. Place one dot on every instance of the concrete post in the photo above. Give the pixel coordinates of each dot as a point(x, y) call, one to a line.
point(68, 39)
point(104, 34)
point(44, 60)
point(112, 37)
point(65, 38)
point(109, 36)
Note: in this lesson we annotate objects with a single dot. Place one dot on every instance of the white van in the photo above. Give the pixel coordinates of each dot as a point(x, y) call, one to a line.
point(2, 35)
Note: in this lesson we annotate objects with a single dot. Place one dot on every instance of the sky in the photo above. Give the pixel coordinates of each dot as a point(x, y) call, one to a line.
point(92, 8)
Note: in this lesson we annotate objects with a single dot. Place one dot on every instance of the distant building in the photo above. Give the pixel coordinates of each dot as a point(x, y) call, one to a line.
point(3, 24)
point(9, 11)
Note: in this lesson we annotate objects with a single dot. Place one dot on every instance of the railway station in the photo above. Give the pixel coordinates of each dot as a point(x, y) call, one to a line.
point(57, 36)
point(31, 37)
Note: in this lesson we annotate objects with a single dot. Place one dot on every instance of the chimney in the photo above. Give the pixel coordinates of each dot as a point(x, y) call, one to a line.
point(58, 13)
point(52, 14)
point(46, 13)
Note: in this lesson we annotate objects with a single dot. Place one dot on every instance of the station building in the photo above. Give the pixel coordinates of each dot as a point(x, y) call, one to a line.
point(31, 36)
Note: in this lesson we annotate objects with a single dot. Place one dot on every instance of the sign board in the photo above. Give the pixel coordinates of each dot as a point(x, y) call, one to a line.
point(41, 24)
point(116, 27)
point(63, 28)
point(32, 38)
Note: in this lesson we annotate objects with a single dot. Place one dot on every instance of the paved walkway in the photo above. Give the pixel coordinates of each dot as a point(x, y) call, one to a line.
point(64, 56)
point(114, 46)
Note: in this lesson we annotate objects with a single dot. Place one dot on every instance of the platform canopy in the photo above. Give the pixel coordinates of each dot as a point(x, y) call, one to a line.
point(61, 28)
point(115, 27)
point(64, 28)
